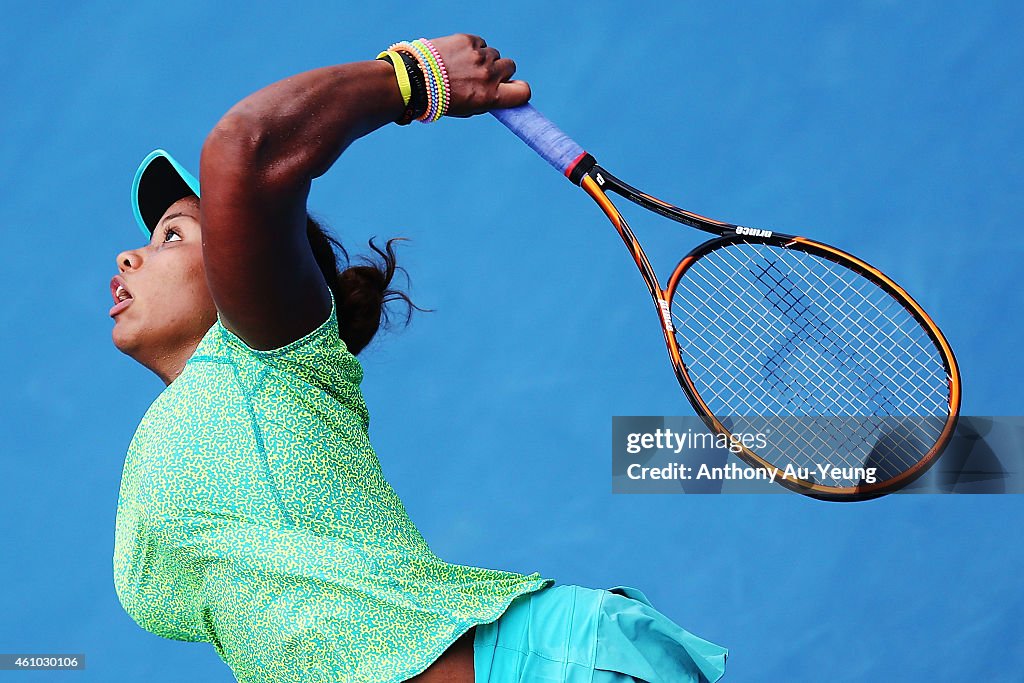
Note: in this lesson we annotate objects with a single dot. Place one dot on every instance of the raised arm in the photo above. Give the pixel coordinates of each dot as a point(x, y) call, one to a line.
point(258, 162)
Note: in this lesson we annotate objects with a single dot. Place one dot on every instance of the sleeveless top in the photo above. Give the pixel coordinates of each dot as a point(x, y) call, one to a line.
point(254, 515)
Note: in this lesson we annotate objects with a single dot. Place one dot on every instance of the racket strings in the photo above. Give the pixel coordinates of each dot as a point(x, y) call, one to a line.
point(767, 331)
point(789, 350)
point(848, 293)
point(808, 322)
point(800, 397)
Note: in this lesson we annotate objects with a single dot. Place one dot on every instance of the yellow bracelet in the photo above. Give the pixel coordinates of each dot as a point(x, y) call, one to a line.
point(400, 74)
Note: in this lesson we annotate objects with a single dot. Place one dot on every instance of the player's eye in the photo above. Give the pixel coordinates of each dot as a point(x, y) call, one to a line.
point(171, 235)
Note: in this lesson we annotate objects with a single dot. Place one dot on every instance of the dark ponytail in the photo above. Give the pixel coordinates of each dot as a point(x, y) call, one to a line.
point(361, 292)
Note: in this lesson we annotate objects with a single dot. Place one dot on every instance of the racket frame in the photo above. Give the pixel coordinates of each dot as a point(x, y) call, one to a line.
point(596, 181)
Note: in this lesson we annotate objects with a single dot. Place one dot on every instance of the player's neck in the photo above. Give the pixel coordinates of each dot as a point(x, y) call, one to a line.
point(168, 363)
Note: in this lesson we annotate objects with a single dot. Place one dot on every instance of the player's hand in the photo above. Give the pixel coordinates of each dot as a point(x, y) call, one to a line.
point(479, 77)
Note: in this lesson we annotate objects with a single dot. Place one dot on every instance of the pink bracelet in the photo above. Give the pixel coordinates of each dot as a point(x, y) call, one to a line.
point(444, 75)
point(431, 67)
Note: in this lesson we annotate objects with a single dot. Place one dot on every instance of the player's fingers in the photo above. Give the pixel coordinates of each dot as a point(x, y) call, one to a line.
point(504, 68)
point(511, 94)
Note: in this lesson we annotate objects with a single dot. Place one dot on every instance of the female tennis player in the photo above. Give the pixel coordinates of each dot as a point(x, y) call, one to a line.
point(253, 513)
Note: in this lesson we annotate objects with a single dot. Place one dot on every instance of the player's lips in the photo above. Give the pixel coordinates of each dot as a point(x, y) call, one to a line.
point(122, 297)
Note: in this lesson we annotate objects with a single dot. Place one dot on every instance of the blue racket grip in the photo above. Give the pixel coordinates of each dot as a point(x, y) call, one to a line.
point(544, 137)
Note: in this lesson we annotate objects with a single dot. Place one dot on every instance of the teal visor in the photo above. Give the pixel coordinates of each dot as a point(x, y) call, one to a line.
point(159, 182)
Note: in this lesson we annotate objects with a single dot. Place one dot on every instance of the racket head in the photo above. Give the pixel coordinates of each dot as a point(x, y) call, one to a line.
point(785, 334)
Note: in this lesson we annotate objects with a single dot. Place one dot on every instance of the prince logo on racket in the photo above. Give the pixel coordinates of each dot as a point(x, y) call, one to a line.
point(752, 232)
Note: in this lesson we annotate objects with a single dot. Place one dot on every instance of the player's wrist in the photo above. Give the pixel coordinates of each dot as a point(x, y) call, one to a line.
point(411, 84)
point(422, 79)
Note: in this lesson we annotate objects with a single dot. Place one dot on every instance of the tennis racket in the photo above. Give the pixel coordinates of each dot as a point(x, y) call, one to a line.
point(779, 333)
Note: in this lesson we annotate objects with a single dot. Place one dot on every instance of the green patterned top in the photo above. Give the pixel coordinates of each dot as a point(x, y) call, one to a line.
point(254, 515)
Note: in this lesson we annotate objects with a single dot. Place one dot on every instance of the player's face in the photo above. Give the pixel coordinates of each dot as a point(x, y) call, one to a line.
point(161, 300)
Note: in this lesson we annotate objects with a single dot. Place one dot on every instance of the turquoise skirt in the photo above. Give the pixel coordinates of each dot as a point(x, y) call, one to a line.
point(572, 634)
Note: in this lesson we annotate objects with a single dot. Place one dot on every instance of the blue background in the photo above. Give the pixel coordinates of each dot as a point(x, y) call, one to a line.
point(890, 129)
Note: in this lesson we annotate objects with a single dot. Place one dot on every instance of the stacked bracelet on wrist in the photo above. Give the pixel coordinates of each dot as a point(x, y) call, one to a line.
point(438, 66)
point(410, 84)
point(420, 71)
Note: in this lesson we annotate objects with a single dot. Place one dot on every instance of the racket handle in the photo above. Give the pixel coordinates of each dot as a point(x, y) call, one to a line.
point(544, 137)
